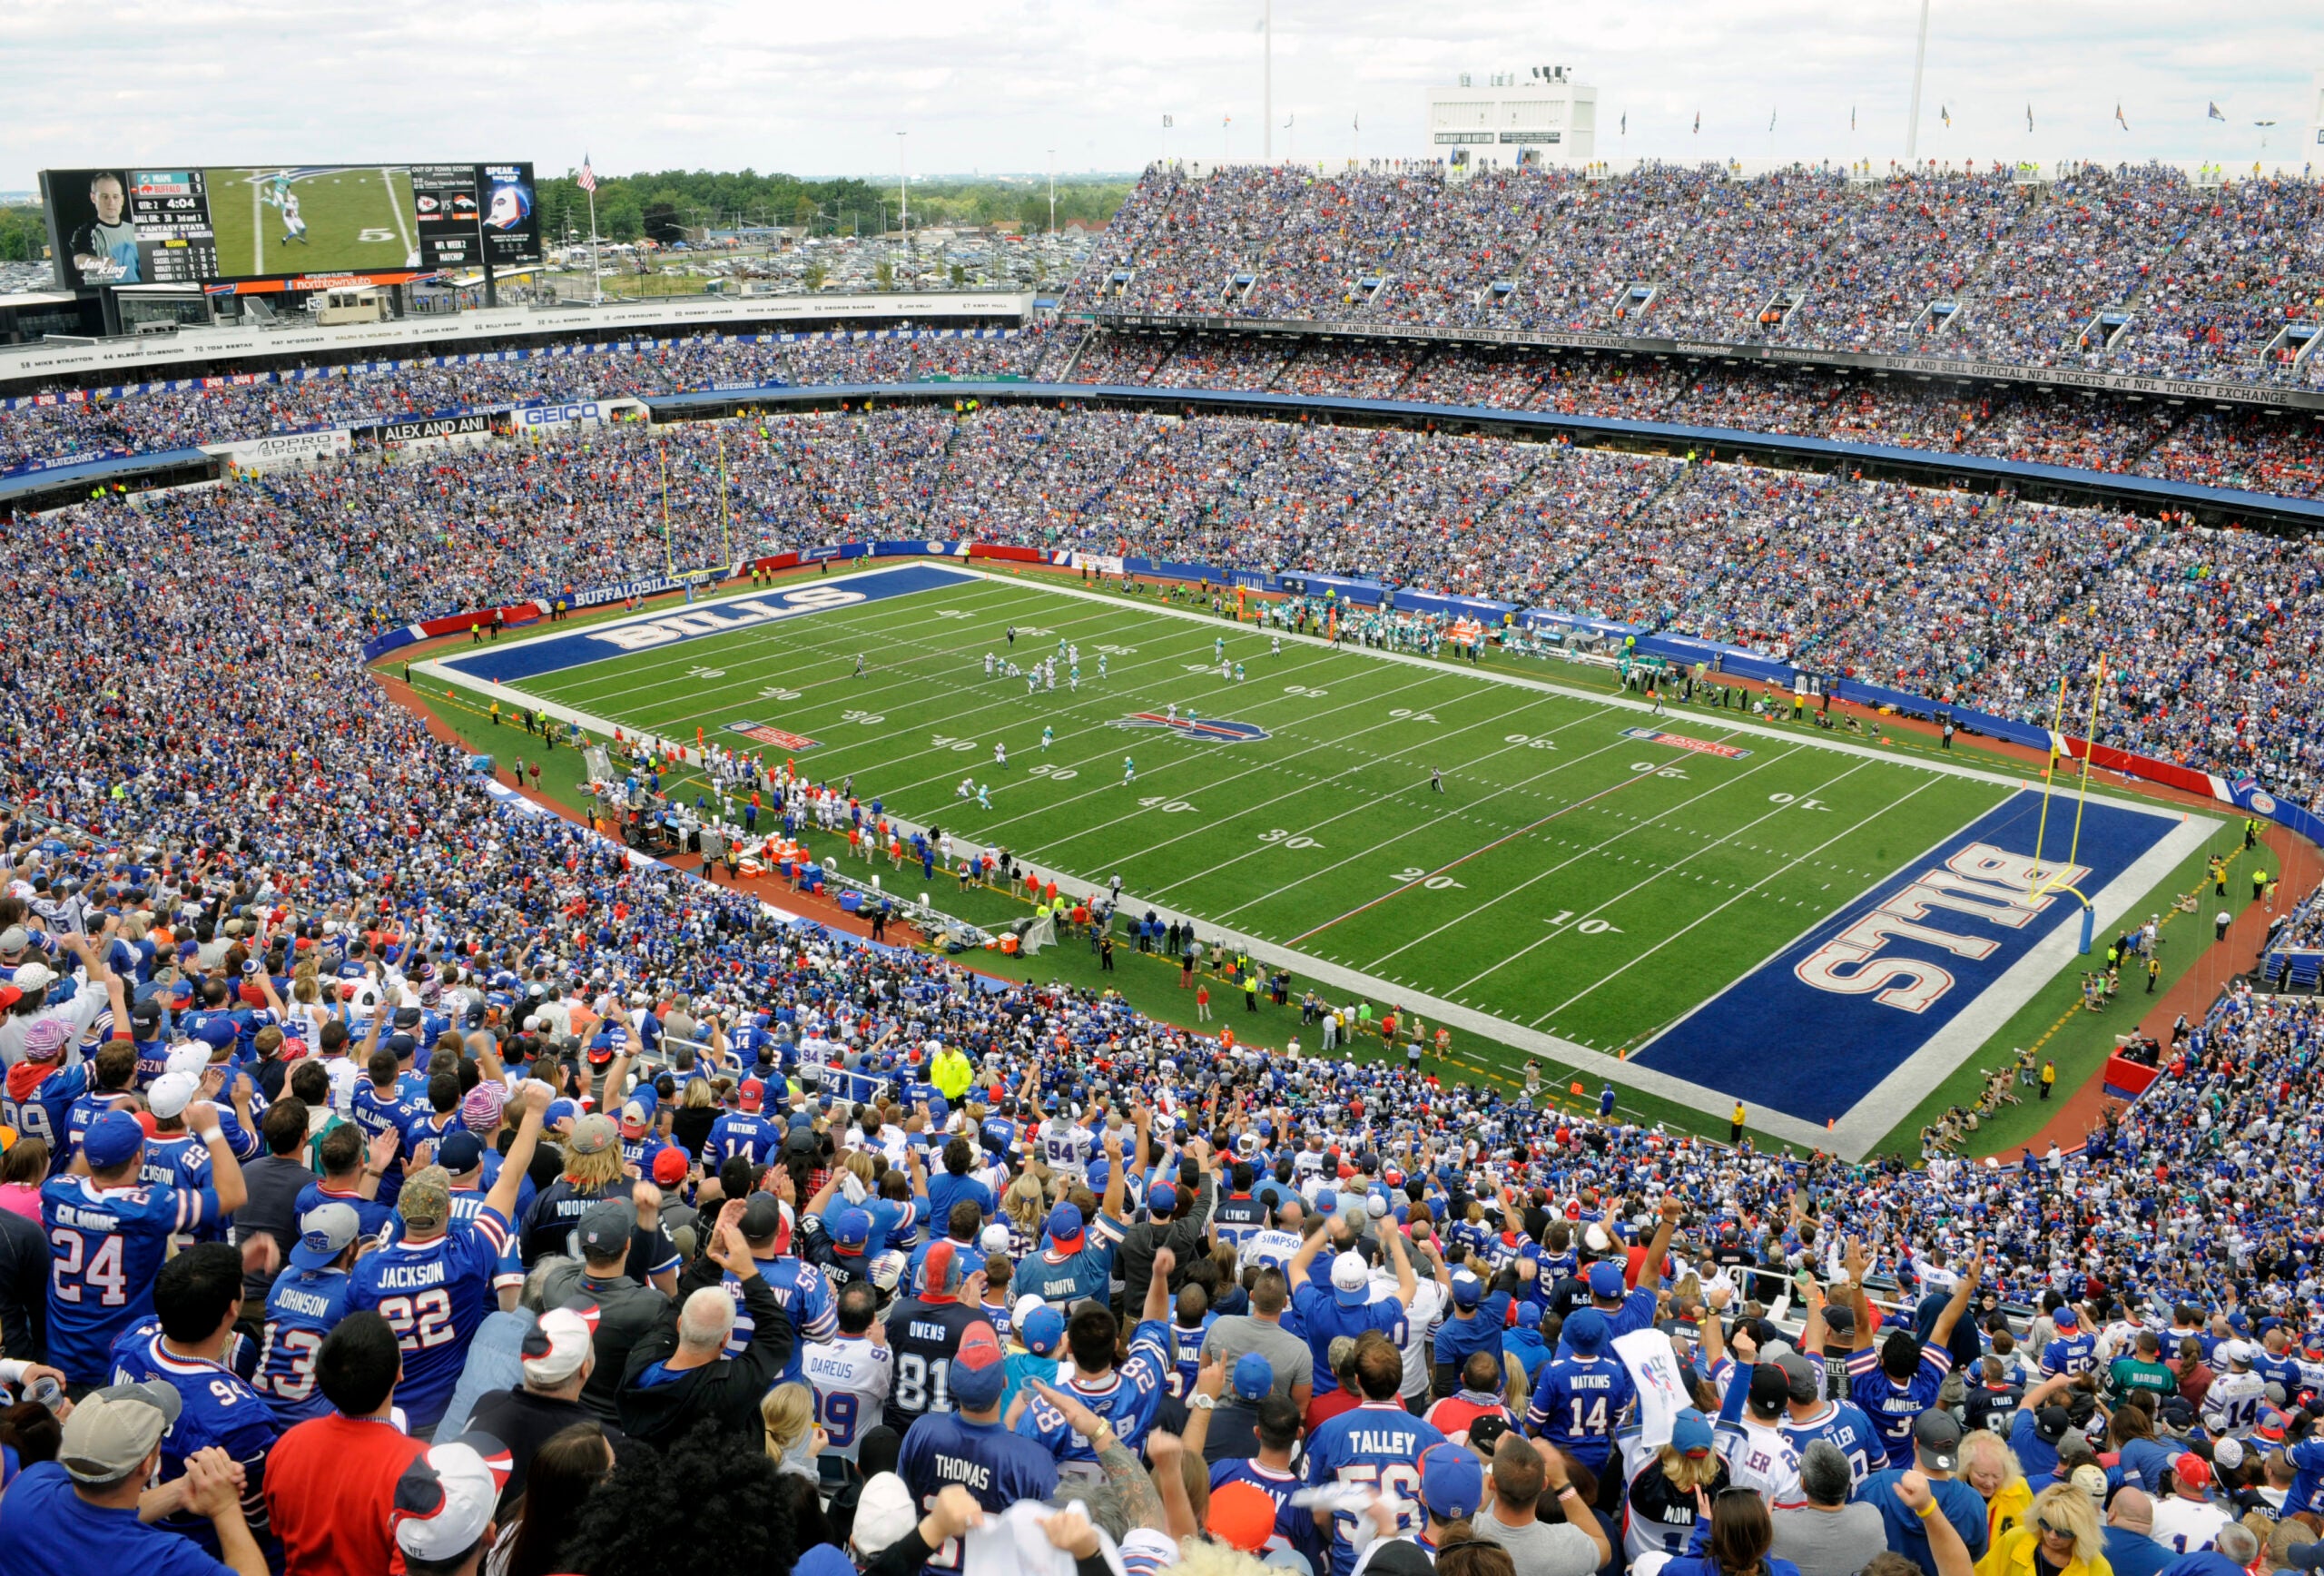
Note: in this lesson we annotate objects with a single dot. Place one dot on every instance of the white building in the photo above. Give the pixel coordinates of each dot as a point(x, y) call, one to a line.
point(1540, 117)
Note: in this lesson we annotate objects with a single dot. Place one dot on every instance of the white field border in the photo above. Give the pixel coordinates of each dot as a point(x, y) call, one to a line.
point(1852, 1137)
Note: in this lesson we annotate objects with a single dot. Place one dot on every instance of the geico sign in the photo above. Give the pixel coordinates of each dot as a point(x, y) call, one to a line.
point(553, 415)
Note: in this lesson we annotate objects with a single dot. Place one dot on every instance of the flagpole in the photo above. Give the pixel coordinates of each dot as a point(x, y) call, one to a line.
point(1920, 58)
point(1266, 90)
point(596, 274)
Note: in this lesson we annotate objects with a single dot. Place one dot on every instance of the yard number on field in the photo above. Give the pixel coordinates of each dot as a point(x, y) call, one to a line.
point(1435, 884)
point(1801, 802)
point(1301, 689)
point(1166, 806)
point(865, 717)
point(1054, 773)
point(1529, 741)
point(1642, 767)
point(1587, 927)
point(1406, 715)
point(1282, 838)
point(778, 694)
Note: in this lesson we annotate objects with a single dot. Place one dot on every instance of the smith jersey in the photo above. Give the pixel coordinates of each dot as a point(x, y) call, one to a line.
point(1891, 1406)
point(106, 1245)
point(1376, 1446)
point(851, 1378)
point(218, 1409)
point(1843, 1422)
point(1578, 1401)
point(925, 1338)
point(302, 1309)
point(804, 1296)
point(434, 1294)
point(984, 1458)
point(1127, 1398)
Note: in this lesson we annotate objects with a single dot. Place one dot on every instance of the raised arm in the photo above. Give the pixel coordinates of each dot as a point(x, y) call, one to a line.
point(502, 1199)
point(1649, 1272)
point(1958, 1303)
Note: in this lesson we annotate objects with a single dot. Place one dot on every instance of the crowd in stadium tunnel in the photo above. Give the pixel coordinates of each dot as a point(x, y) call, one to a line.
point(300, 1019)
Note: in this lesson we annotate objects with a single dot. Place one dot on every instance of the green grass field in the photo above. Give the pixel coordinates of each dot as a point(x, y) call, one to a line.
point(357, 219)
point(1572, 880)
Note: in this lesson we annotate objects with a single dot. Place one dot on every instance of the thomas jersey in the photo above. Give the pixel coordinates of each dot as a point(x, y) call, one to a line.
point(434, 1293)
point(984, 1458)
point(1377, 1446)
point(804, 1297)
point(1843, 1422)
point(302, 1309)
point(1126, 1399)
point(107, 1246)
point(851, 1378)
point(925, 1338)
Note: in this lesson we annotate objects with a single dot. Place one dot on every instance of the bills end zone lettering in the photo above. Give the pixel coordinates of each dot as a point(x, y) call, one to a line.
point(1922, 969)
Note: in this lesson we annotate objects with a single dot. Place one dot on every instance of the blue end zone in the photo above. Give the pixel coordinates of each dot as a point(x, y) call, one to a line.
point(526, 659)
point(1814, 1050)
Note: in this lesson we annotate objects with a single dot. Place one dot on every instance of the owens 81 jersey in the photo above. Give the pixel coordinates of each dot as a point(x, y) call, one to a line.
point(925, 1338)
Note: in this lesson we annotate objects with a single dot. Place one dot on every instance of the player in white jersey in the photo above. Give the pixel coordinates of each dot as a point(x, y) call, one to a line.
point(1756, 1453)
point(1066, 1145)
point(293, 226)
point(851, 1374)
point(1271, 1248)
point(2232, 1403)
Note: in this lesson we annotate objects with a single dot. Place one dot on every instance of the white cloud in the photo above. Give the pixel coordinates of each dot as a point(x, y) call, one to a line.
point(822, 89)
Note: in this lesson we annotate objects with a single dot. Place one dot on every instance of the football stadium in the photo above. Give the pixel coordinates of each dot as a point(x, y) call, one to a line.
point(1484, 853)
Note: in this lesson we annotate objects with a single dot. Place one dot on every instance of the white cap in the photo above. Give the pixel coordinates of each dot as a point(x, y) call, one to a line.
point(171, 1093)
point(187, 1056)
point(2228, 1453)
point(995, 1240)
point(446, 1498)
point(556, 1346)
point(1350, 1273)
point(2237, 1352)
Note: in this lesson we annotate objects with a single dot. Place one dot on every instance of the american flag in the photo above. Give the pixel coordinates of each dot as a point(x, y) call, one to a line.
point(587, 179)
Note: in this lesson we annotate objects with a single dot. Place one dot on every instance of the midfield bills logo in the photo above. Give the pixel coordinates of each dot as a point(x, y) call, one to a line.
point(1196, 728)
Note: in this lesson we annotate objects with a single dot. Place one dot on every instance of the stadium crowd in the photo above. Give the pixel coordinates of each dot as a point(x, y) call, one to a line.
point(395, 1175)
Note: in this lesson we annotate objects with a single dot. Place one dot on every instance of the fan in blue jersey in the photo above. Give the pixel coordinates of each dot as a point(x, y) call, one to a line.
point(1127, 1395)
point(1374, 1444)
point(742, 1131)
point(1844, 1424)
point(307, 1302)
point(349, 1165)
point(40, 1091)
point(1900, 1382)
point(108, 1236)
point(198, 1297)
point(1579, 1399)
point(968, 1447)
point(1238, 1217)
point(2073, 1351)
point(381, 1104)
point(925, 1334)
point(1070, 1268)
point(1633, 1309)
point(798, 1288)
point(434, 1285)
point(1346, 1307)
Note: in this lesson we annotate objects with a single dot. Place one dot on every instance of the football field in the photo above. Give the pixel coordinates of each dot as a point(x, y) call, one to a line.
point(357, 219)
point(1696, 903)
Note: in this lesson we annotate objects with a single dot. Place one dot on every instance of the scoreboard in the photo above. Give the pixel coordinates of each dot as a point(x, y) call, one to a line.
point(270, 227)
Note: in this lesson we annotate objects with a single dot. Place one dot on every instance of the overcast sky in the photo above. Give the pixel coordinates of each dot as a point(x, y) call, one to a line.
point(819, 90)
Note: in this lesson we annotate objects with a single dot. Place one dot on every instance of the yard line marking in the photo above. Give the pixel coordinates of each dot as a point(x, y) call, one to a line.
point(387, 179)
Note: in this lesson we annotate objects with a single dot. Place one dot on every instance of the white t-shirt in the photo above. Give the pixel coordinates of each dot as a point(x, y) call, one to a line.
point(2187, 1526)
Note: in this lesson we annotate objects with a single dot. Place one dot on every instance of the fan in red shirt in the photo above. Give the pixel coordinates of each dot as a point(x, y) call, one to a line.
point(330, 1481)
point(1479, 1396)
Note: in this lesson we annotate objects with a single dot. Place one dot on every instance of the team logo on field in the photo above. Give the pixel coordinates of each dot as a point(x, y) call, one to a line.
point(759, 732)
point(1680, 741)
point(1204, 728)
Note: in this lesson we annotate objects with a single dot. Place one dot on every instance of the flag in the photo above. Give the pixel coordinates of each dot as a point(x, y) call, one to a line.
point(1260, 25)
point(1226, 119)
point(2212, 114)
point(1945, 115)
point(1358, 122)
point(587, 179)
point(2118, 115)
point(1288, 120)
point(2029, 117)
point(1699, 122)
point(1771, 120)
point(1851, 117)
point(1625, 123)
point(1168, 123)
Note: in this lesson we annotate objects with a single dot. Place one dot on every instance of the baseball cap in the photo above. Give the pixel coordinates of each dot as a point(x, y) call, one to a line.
point(762, 1216)
point(1468, 1291)
point(592, 1134)
point(111, 1139)
point(171, 1093)
point(426, 1201)
point(1769, 1389)
point(556, 1346)
point(979, 1371)
point(1401, 1557)
point(1586, 1332)
point(1485, 1430)
point(751, 1095)
point(445, 1499)
point(1451, 1481)
point(633, 1120)
point(559, 1111)
point(2090, 1479)
point(2238, 1353)
point(15, 939)
point(993, 1240)
point(460, 1153)
point(1044, 1327)
point(2228, 1453)
point(186, 1056)
point(46, 1038)
point(1253, 1377)
point(1691, 1433)
point(1799, 1373)
point(1163, 1199)
point(2050, 1423)
point(2063, 1318)
point(1065, 1228)
point(1936, 1435)
point(112, 1430)
point(1352, 1279)
point(607, 1227)
point(884, 1512)
point(2191, 1470)
point(324, 1232)
point(851, 1229)
point(1242, 1515)
point(31, 977)
point(670, 1165)
point(1606, 1279)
